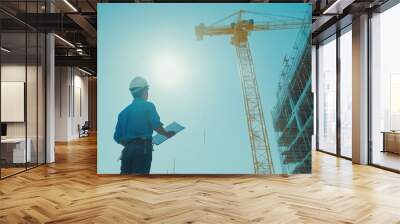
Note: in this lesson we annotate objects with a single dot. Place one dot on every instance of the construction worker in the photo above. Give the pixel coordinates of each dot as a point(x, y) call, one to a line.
point(134, 130)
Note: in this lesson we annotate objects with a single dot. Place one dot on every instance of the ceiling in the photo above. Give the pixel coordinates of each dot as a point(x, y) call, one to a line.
point(75, 21)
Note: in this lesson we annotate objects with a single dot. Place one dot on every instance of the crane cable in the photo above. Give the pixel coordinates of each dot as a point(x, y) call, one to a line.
point(263, 14)
point(225, 18)
point(266, 15)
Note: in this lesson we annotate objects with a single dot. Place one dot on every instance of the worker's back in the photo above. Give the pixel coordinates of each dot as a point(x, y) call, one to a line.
point(137, 120)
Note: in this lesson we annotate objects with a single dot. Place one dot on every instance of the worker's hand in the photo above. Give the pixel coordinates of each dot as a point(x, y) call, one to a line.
point(169, 134)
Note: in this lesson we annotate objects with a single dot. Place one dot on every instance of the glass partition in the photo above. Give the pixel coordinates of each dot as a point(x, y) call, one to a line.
point(23, 91)
point(13, 105)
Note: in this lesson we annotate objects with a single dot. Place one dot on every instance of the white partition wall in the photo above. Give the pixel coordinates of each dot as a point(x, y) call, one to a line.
point(71, 102)
point(12, 98)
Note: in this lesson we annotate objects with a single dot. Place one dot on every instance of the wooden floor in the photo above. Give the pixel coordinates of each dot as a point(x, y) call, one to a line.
point(69, 191)
point(10, 171)
point(387, 159)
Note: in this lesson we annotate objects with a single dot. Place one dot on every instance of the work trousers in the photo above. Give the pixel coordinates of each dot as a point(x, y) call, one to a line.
point(136, 157)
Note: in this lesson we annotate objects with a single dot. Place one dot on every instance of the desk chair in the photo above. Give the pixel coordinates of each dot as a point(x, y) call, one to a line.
point(84, 130)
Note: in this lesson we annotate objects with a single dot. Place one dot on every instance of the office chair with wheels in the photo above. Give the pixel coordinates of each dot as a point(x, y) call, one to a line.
point(84, 130)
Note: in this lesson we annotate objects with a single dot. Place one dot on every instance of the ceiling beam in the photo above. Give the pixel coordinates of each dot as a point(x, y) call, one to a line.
point(85, 25)
point(81, 61)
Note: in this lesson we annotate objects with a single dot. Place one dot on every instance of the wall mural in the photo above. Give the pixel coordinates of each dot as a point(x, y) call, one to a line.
point(204, 89)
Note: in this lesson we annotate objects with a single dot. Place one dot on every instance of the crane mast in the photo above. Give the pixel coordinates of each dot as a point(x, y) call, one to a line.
point(239, 32)
point(260, 148)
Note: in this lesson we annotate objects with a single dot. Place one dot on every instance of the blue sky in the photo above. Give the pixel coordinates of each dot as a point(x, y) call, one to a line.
point(195, 83)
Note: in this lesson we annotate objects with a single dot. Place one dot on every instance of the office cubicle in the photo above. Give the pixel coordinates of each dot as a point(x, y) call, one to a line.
point(22, 91)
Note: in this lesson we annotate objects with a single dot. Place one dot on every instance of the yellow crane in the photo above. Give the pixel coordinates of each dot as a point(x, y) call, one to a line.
point(239, 32)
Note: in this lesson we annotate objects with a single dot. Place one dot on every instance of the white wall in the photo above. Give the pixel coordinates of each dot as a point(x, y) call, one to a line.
point(70, 84)
point(16, 73)
point(79, 117)
point(11, 73)
point(61, 103)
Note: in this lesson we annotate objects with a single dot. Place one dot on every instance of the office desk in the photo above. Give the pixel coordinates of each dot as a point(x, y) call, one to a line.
point(391, 141)
point(13, 150)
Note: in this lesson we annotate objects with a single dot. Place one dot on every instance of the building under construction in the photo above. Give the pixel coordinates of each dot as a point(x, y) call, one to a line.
point(293, 113)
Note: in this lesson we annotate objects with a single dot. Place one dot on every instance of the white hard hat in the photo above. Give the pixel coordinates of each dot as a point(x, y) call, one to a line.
point(137, 84)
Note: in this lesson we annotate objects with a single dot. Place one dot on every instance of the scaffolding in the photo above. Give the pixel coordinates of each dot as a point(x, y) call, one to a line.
point(293, 112)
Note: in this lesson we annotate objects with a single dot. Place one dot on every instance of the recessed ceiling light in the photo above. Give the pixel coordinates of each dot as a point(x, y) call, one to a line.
point(64, 40)
point(84, 71)
point(70, 5)
point(337, 7)
point(5, 50)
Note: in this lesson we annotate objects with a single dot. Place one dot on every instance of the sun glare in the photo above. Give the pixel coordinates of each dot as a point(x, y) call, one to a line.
point(169, 70)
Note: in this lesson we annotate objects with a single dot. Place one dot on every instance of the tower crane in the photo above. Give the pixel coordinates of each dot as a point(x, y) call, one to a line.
point(239, 33)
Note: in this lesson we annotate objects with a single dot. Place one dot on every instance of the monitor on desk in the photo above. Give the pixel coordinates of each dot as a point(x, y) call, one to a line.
point(3, 130)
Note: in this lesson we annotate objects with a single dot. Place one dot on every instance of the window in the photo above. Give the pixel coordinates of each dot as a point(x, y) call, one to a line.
point(346, 93)
point(327, 95)
point(385, 89)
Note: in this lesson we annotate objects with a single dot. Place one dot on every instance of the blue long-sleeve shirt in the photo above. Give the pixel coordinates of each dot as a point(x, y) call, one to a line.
point(137, 120)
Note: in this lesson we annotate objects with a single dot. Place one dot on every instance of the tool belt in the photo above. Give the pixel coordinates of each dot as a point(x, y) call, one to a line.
point(139, 140)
